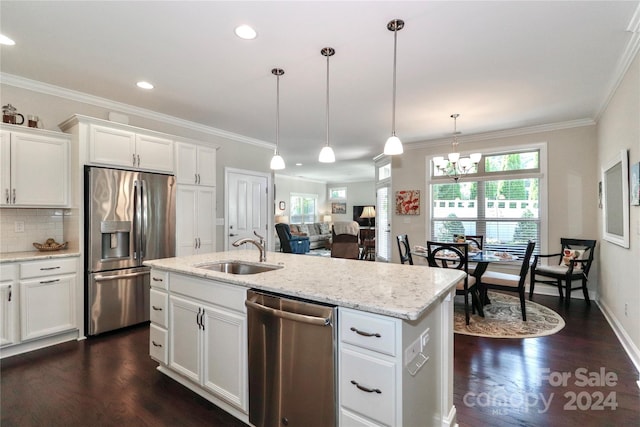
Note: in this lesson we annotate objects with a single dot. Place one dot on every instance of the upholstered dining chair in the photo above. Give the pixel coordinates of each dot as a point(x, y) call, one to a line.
point(456, 255)
point(344, 236)
point(574, 263)
point(405, 249)
point(508, 282)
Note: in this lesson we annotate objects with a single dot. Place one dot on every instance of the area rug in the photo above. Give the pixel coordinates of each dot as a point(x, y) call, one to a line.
point(319, 252)
point(503, 319)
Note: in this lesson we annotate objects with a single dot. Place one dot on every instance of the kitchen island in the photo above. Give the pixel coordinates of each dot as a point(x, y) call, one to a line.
point(412, 305)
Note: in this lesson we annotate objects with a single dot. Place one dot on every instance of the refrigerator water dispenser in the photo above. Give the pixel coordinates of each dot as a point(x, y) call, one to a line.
point(115, 239)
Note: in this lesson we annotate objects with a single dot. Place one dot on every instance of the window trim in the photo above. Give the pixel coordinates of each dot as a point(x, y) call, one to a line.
point(331, 189)
point(303, 195)
point(541, 174)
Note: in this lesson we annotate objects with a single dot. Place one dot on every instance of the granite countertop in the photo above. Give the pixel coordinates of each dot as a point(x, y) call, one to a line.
point(396, 290)
point(36, 255)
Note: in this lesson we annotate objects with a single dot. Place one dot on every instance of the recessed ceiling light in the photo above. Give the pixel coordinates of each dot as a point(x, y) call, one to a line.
point(144, 85)
point(246, 32)
point(298, 164)
point(6, 40)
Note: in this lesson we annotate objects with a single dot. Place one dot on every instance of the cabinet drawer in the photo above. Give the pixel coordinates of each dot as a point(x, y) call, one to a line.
point(159, 279)
point(51, 267)
point(368, 331)
point(368, 386)
point(158, 310)
point(221, 294)
point(158, 344)
point(349, 419)
point(8, 272)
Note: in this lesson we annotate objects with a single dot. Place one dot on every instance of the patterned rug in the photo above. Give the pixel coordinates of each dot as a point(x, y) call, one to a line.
point(503, 319)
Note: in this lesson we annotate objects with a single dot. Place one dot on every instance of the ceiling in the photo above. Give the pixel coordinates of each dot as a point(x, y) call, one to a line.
point(500, 65)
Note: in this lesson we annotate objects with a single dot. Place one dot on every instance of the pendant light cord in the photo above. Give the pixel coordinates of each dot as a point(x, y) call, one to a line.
point(277, 114)
point(393, 106)
point(328, 100)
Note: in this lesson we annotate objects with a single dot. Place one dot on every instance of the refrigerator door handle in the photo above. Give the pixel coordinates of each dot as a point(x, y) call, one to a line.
point(144, 223)
point(137, 220)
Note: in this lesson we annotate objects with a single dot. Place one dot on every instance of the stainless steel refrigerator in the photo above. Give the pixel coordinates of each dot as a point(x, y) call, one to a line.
point(129, 218)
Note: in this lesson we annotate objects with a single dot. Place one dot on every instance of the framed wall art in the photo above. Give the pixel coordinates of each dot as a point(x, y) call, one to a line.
point(408, 202)
point(338, 208)
point(615, 199)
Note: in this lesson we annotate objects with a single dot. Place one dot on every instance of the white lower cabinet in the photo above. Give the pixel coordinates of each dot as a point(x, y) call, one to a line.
point(47, 297)
point(8, 298)
point(206, 337)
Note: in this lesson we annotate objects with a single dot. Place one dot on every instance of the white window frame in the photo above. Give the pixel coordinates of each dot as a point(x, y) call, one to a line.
point(304, 196)
point(338, 189)
point(541, 174)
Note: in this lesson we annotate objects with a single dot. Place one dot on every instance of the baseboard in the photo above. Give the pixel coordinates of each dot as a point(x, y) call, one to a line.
point(450, 420)
point(629, 347)
point(542, 289)
point(37, 344)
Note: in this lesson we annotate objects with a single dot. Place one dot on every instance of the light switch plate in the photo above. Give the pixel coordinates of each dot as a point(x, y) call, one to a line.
point(18, 226)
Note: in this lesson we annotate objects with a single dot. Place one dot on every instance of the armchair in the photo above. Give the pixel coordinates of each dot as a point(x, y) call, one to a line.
point(574, 263)
point(345, 240)
point(289, 243)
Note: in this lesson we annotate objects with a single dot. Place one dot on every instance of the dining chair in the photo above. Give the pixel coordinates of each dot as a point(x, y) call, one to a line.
point(476, 241)
point(405, 249)
point(574, 263)
point(508, 282)
point(456, 255)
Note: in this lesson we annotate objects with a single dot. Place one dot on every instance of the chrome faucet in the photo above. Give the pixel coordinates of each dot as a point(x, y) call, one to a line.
point(259, 245)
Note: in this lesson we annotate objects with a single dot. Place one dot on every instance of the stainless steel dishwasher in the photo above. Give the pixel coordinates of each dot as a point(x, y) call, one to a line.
point(292, 362)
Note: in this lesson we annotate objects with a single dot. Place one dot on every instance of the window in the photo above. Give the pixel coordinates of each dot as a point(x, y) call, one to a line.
point(303, 208)
point(499, 201)
point(338, 193)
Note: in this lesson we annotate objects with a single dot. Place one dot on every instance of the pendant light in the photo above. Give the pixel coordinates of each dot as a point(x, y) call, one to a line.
point(454, 165)
point(394, 145)
point(326, 154)
point(277, 162)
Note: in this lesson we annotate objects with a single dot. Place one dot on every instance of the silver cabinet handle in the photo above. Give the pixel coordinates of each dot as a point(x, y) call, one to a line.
point(50, 281)
point(6, 192)
point(14, 196)
point(133, 158)
point(198, 178)
point(155, 279)
point(138, 156)
point(156, 308)
point(49, 268)
point(9, 293)
point(155, 344)
point(195, 178)
point(365, 334)
point(367, 389)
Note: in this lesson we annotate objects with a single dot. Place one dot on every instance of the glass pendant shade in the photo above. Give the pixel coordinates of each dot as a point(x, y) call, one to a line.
point(327, 155)
point(454, 157)
point(475, 157)
point(277, 162)
point(393, 146)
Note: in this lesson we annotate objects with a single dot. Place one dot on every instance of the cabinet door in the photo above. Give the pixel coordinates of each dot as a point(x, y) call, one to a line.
point(5, 168)
point(47, 306)
point(206, 219)
point(153, 153)
point(225, 364)
point(184, 337)
point(109, 146)
point(186, 163)
point(7, 313)
point(206, 166)
point(186, 219)
point(39, 170)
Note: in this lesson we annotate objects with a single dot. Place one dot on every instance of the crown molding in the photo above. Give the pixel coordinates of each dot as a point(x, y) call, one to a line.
point(298, 178)
point(507, 133)
point(72, 95)
point(628, 56)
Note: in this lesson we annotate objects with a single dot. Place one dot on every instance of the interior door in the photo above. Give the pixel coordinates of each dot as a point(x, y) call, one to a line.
point(247, 195)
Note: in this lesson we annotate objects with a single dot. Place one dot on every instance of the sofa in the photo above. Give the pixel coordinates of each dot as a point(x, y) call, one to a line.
point(319, 233)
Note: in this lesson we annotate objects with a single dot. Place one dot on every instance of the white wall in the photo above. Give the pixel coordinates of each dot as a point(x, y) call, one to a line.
point(53, 110)
point(619, 129)
point(358, 194)
point(285, 185)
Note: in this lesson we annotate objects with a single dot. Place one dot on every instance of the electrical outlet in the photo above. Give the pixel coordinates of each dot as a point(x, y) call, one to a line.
point(424, 339)
point(412, 351)
point(18, 226)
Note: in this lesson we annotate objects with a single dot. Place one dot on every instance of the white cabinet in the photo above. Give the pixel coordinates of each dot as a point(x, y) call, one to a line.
point(195, 164)
point(47, 297)
point(8, 298)
point(195, 219)
point(113, 146)
point(159, 316)
point(207, 337)
point(34, 168)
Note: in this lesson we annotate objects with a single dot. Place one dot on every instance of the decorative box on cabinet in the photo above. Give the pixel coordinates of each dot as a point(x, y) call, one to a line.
point(195, 164)
point(34, 167)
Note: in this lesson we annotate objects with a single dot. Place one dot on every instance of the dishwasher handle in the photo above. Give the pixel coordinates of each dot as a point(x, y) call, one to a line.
point(320, 321)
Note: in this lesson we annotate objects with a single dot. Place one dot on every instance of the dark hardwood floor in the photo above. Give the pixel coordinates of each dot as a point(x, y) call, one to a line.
point(111, 381)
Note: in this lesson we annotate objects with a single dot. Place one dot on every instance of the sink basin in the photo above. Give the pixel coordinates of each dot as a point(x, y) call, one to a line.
point(237, 267)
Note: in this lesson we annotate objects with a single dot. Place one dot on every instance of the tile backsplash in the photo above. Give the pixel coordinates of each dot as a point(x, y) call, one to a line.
point(20, 228)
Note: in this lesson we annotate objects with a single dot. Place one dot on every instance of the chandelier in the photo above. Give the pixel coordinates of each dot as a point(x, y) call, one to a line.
point(455, 166)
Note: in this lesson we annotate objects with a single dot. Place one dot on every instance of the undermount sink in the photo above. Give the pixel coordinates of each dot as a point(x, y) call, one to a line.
point(237, 267)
